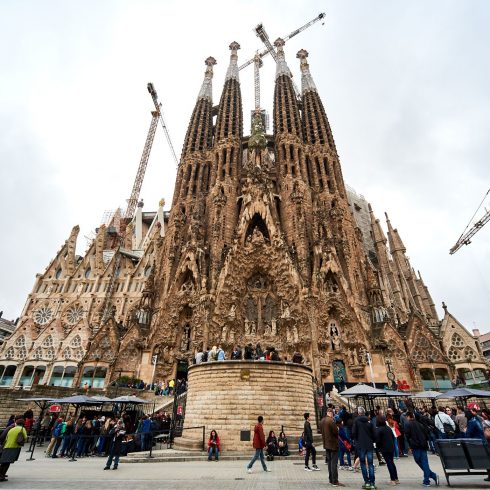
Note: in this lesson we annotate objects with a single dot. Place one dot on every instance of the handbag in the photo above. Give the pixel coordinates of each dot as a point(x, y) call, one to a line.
point(448, 428)
point(20, 439)
point(346, 444)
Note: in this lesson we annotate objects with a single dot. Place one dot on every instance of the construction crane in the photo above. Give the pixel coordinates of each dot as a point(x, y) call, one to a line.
point(465, 238)
point(158, 108)
point(263, 36)
point(156, 115)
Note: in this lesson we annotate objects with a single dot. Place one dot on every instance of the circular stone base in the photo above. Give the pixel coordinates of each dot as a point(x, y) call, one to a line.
point(228, 396)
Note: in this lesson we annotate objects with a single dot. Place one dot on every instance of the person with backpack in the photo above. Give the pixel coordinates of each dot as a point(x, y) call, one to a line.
point(258, 444)
point(14, 440)
point(417, 436)
point(58, 433)
point(364, 437)
point(444, 424)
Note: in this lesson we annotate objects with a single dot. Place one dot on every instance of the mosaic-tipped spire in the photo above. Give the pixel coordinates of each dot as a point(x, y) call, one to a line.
point(206, 91)
point(232, 71)
point(281, 65)
point(307, 83)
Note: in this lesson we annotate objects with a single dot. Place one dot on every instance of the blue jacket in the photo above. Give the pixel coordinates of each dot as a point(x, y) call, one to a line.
point(474, 430)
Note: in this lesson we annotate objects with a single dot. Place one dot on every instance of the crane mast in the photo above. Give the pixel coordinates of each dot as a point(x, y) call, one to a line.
point(158, 108)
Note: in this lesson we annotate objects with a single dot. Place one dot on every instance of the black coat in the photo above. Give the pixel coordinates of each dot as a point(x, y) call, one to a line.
point(385, 441)
point(308, 434)
point(363, 433)
point(416, 434)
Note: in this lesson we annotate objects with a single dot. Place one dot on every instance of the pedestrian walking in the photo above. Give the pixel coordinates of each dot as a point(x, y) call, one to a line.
point(417, 436)
point(330, 436)
point(364, 437)
point(15, 438)
point(385, 442)
point(118, 434)
point(310, 448)
point(258, 444)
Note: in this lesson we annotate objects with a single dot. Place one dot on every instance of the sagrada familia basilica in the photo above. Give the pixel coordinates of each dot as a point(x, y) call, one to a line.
point(264, 243)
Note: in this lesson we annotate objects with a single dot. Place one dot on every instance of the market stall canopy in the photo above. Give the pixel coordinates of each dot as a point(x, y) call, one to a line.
point(394, 393)
point(362, 389)
point(427, 394)
point(77, 400)
point(102, 399)
point(41, 402)
point(465, 393)
point(129, 399)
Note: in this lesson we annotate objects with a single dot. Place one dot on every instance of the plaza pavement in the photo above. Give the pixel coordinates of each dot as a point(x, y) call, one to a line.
point(87, 473)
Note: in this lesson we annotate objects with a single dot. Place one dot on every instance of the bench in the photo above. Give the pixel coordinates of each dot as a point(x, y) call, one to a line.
point(460, 457)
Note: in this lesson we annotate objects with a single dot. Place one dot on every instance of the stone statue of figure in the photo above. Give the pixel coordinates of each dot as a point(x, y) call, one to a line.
point(80, 288)
point(288, 335)
point(232, 312)
point(285, 310)
point(224, 333)
point(273, 327)
point(232, 335)
point(247, 327)
point(267, 330)
point(253, 328)
point(295, 334)
point(352, 355)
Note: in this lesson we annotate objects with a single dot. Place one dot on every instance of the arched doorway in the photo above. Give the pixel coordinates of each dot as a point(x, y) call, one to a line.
point(182, 367)
point(339, 374)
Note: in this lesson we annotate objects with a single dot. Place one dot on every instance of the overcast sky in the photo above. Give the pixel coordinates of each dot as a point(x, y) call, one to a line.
point(406, 86)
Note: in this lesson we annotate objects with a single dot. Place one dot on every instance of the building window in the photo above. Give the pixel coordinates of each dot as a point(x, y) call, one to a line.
point(94, 376)
point(7, 375)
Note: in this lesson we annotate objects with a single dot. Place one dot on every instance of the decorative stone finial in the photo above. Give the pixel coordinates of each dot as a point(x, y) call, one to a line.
point(206, 91)
point(281, 65)
point(307, 83)
point(257, 139)
point(161, 203)
point(232, 71)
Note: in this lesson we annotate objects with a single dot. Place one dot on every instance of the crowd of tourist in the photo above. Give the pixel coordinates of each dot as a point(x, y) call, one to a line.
point(248, 353)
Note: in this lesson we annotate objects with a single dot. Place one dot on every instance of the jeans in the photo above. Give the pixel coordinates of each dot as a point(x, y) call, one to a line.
point(395, 442)
point(367, 473)
point(343, 451)
point(211, 451)
point(310, 449)
point(113, 456)
point(56, 447)
point(388, 457)
point(259, 453)
point(420, 457)
point(332, 457)
point(101, 444)
point(66, 444)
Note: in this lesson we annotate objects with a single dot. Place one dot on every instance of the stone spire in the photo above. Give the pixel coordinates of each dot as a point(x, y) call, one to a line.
point(394, 239)
point(232, 71)
point(281, 65)
point(229, 122)
point(307, 83)
point(378, 233)
point(206, 91)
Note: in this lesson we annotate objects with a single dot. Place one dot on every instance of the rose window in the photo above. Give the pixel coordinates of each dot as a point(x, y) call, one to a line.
point(76, 342)
point(457, 341)
point(48, 342)
point(75, 314)
point(469, 353)
point(20, 342)
point(43, 315)
point(454, 354)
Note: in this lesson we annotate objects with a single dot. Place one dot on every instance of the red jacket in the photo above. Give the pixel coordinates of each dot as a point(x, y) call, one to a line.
point(259, 437)
point(210, 442)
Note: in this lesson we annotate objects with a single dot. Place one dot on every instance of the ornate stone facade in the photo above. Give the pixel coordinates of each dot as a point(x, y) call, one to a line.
point(260, 245)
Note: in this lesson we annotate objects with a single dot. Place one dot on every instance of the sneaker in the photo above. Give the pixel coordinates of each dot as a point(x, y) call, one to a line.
point(249, 470)
point(382, 463)
point(307, 468)
point(268, 470)
point(373, 486)
point(436, 480)
point(350, 468)
point(338, 484)
point(426, 484)
point(366, 486)
point(315, 468)
point(326, 462)
point(107, 468)
point(392, 483)
point(115, 468)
